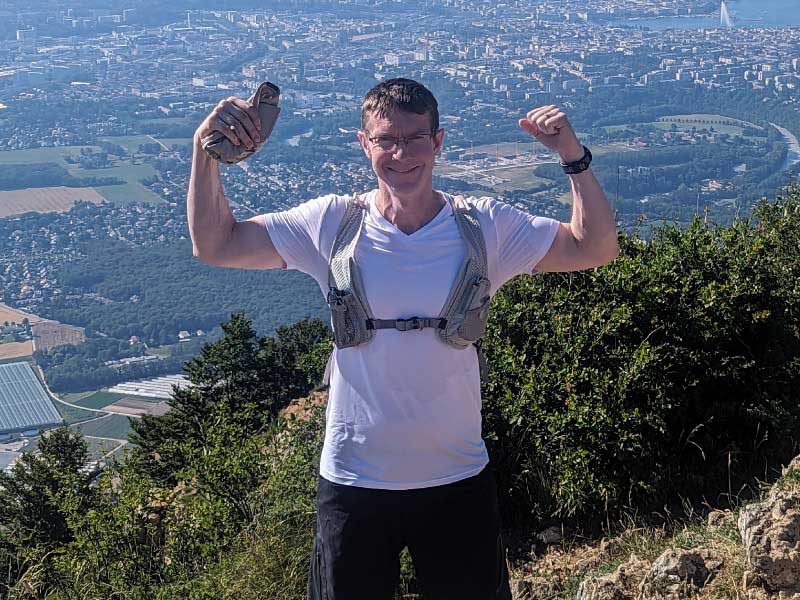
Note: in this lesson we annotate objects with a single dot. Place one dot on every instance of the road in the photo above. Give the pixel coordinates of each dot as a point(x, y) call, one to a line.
point(793, 157)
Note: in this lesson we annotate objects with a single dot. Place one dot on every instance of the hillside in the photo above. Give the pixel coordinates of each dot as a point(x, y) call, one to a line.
point(749, 552)
point(653, 393)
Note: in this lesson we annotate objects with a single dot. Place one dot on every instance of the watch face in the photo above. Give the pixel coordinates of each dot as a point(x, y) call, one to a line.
point(579, 165)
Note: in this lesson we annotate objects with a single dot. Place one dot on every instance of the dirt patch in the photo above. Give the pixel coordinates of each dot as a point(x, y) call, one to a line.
point(52, 199)
point(16, 349)
point(137, 407)
point(124, 410)
point(11, 314)
point(50, 334)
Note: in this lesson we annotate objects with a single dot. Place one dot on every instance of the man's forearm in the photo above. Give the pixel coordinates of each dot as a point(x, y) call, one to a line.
point(592, 222)
point(210, 218)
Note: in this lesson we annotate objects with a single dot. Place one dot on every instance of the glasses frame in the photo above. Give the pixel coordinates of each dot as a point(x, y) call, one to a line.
point(374, 140)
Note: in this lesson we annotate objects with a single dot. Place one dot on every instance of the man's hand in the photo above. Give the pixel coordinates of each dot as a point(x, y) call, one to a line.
point(234, 118)
point(550, 126)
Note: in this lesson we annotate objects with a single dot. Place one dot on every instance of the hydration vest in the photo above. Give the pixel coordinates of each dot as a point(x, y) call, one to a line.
point(461, 322)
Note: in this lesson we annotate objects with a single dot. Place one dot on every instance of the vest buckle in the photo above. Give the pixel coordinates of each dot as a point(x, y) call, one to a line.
point(408, 324)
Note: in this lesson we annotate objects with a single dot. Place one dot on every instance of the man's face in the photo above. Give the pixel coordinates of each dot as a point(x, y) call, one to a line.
point(406, 167)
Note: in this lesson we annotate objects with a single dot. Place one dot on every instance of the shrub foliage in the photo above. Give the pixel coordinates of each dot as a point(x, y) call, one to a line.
point(665, 372)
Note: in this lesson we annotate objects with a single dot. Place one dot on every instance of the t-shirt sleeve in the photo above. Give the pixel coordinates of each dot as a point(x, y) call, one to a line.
point(522, 240)
point(295, 233)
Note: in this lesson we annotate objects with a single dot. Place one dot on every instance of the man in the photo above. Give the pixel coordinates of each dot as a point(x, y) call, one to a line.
point(403, 462)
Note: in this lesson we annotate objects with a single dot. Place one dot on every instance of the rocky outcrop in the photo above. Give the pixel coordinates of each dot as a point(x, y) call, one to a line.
point(770, 533)
point(622, 584)
point(680, 573)
point(770, 536)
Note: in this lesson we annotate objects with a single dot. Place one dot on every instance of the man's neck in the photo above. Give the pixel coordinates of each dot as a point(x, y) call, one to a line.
point(408, 213)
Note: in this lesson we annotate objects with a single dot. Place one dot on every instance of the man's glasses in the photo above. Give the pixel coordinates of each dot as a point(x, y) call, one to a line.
point(387, 143)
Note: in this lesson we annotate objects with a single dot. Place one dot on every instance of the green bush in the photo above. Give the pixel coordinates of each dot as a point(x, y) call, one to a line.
point(672, 370)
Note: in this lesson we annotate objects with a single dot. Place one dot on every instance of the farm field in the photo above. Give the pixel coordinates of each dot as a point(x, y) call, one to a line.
point(110, 426)
point(16, 349)
point(131, 405)
point(74, 414)
point(130, 169)
point(50, 334)
point(12, 314)
point(98, 400)
point(47, 334)
point(37, 155)
point(131, 142)
point(132, 191)
point(53, 199)
point(72, 398)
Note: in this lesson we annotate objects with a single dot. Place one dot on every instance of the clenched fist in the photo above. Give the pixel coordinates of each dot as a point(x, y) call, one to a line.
point(234, 118)
point(550, 126)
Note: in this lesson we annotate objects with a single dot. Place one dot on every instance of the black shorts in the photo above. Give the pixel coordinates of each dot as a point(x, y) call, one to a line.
point(452, 533)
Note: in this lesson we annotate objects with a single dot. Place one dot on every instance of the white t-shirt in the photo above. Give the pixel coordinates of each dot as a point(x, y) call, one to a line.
point(404, 409)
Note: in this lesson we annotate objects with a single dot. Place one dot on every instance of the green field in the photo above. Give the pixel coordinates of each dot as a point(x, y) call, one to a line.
point(74, 414)
point(38, 155)
point(113, 426)
point(129, 169)
point(709, 117)
point(667, 125)
point(99, 400)
point(131, 142)
point(74, 397)
point(132, 191)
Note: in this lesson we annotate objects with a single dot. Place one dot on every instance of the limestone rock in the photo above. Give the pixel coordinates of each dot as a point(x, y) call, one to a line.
point(679, 572)
point(770, 533)
point(718, 518)
point(793, 465)
point(622, 584)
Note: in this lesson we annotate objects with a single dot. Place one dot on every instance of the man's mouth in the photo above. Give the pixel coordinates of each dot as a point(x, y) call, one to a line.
point(401, 169)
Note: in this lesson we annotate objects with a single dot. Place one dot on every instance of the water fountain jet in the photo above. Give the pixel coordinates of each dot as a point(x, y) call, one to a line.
point(725, 18)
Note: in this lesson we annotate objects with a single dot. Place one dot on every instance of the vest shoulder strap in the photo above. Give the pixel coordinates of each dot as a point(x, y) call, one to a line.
point(344, 244)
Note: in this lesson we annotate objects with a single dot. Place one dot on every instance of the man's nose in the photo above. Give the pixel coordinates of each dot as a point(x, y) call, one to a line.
point(400, 148)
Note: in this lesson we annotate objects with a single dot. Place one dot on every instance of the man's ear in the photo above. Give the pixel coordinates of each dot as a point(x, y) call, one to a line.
point(362, 138)
point(438, 141)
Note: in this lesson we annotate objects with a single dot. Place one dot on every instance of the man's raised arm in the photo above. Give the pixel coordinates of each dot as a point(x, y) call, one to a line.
point(590, 238)
point(217, 238)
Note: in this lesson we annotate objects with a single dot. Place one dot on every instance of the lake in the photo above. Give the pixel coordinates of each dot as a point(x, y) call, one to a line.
point(745, 13)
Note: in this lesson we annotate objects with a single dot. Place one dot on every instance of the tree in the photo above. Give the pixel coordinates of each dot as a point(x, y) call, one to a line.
point(240, 380)
point(38, 498)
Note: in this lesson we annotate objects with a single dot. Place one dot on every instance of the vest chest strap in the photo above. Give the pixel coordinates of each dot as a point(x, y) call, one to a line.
point(406, 324)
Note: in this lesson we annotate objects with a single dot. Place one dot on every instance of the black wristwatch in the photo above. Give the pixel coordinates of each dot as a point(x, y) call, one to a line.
point(580, 165)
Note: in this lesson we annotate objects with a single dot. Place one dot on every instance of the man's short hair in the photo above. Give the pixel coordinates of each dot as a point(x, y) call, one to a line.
point(399, 94)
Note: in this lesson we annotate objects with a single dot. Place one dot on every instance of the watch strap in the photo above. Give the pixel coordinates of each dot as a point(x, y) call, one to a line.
point(578, 166)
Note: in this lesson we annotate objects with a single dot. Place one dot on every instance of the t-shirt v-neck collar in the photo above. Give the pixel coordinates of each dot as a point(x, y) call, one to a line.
point(444, 212)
